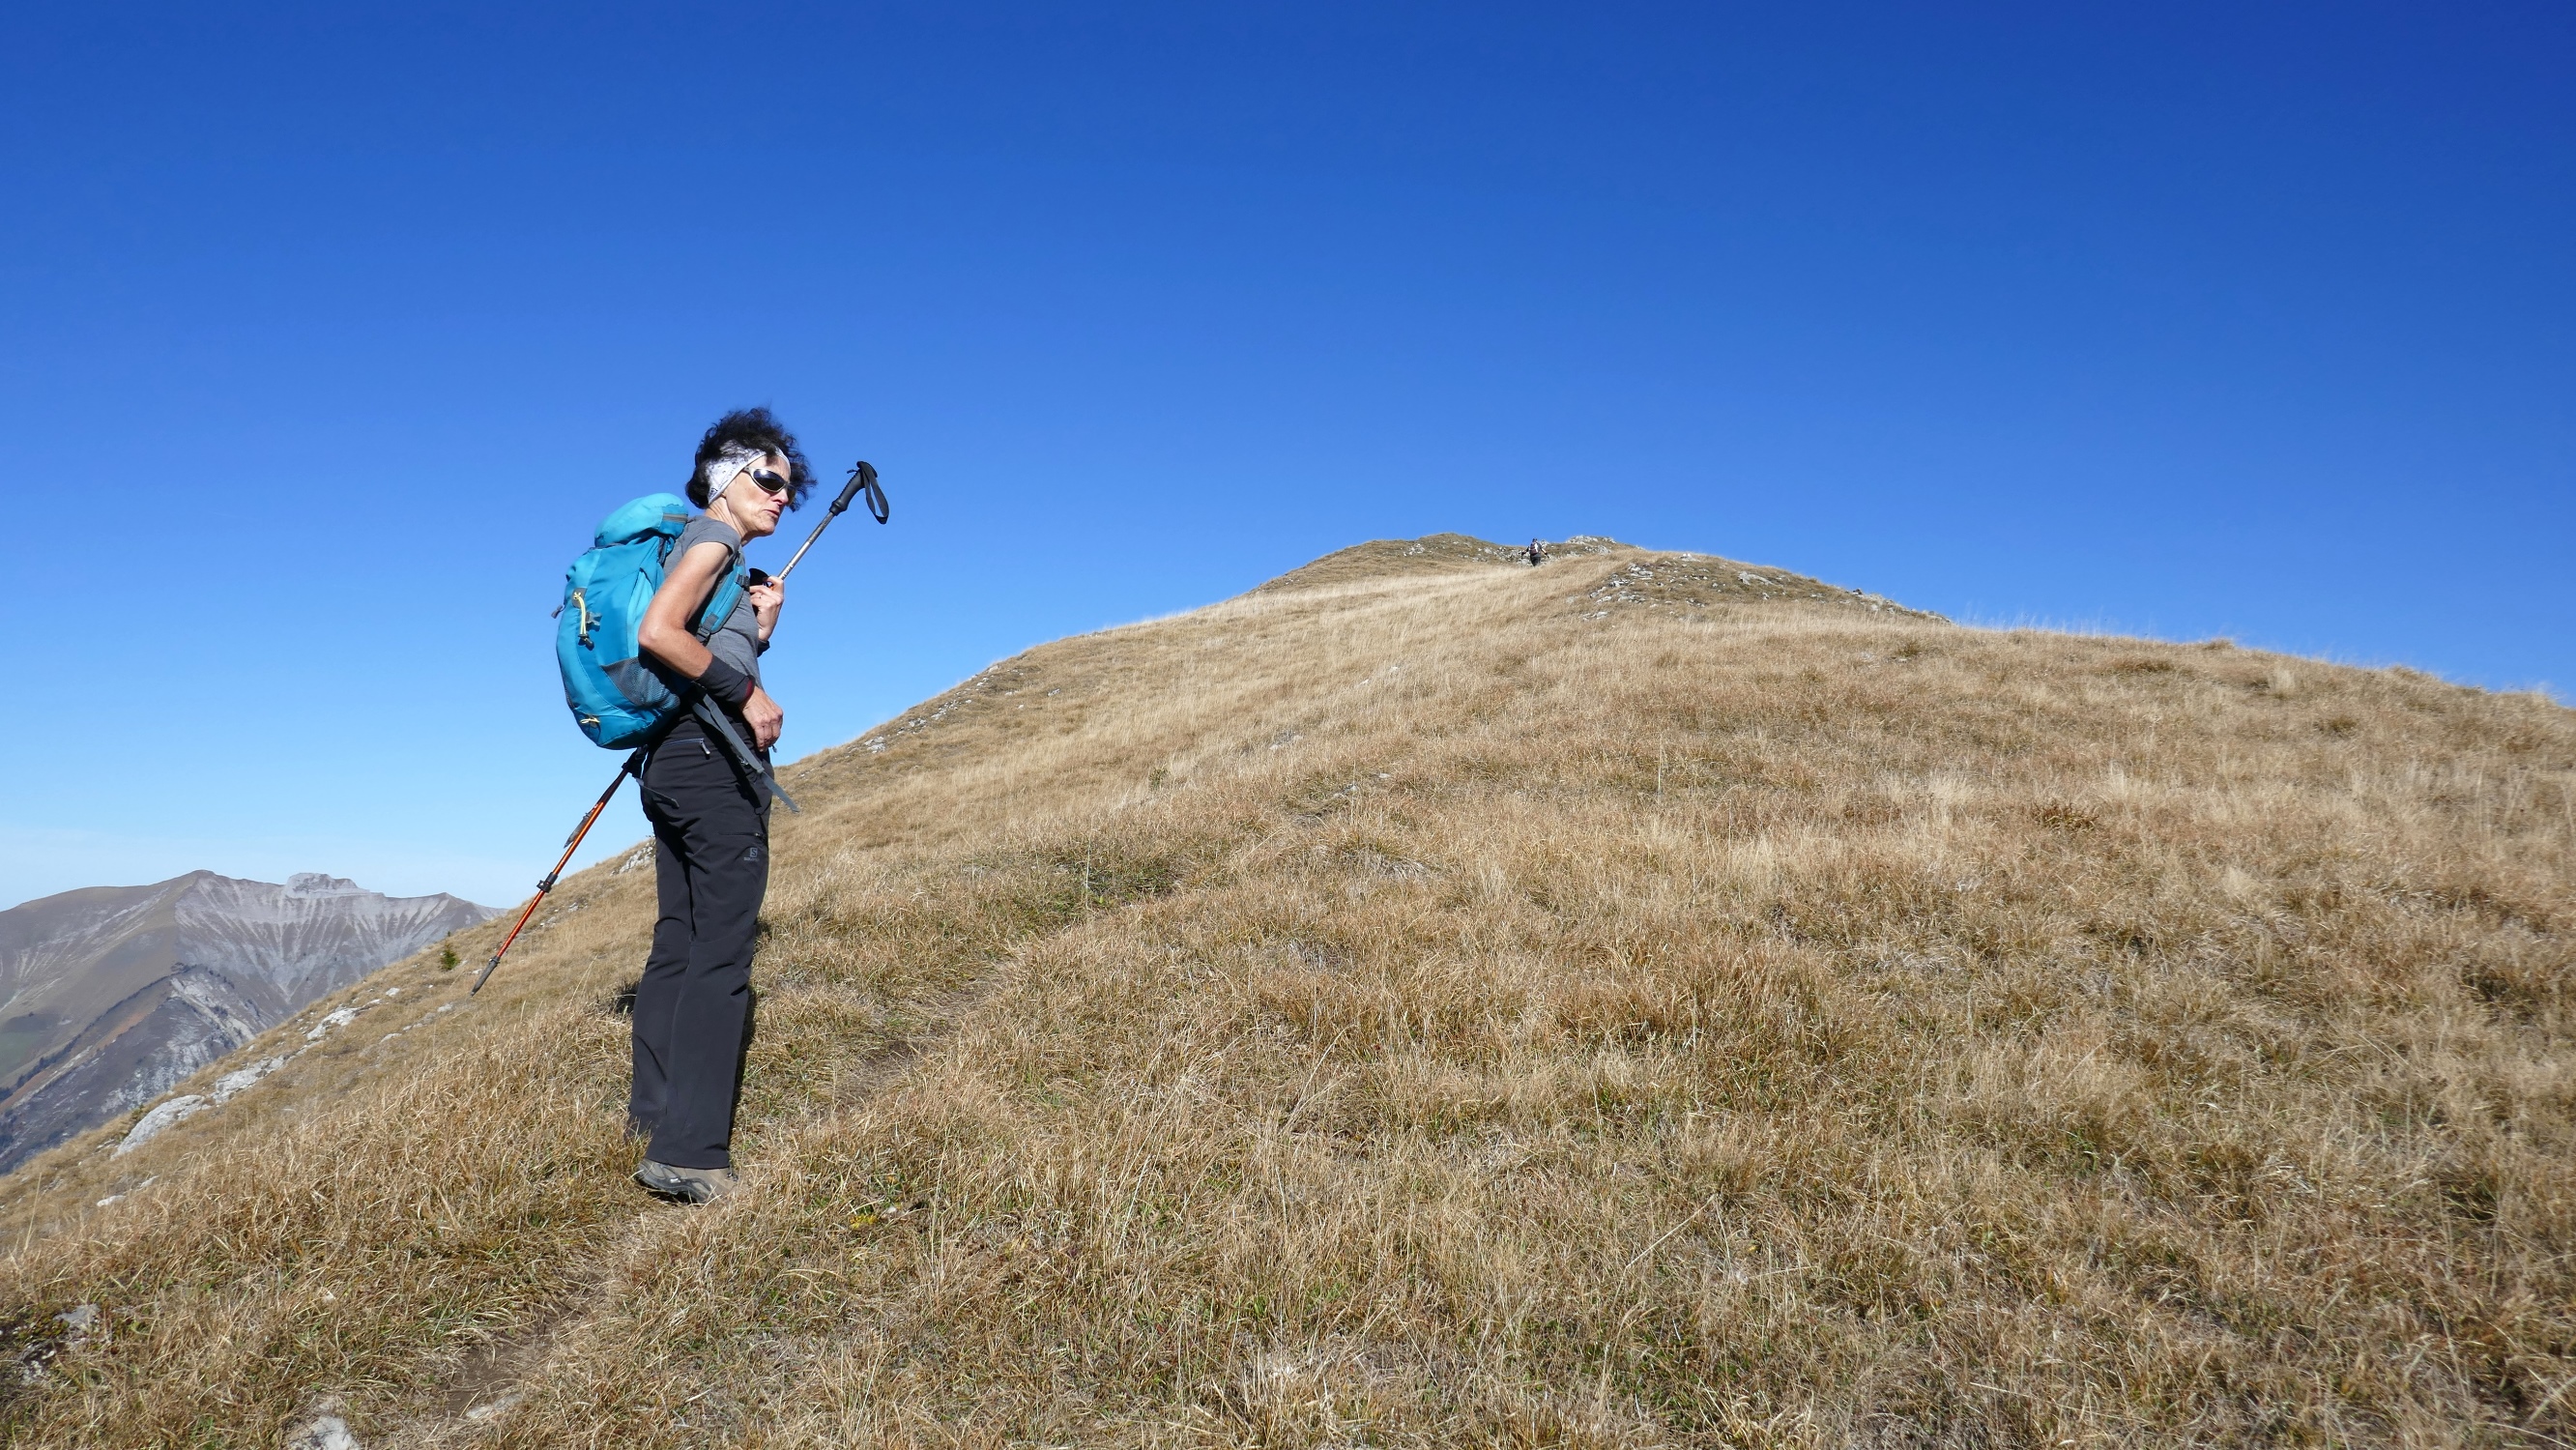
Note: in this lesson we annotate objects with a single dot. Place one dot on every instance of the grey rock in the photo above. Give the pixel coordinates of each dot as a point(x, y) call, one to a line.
point(324, 1432)
point(231, 1084)
point(153, 1123)
point(341, 1018)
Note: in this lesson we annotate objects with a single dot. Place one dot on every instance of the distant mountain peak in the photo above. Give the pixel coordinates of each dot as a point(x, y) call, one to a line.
point(111, 993)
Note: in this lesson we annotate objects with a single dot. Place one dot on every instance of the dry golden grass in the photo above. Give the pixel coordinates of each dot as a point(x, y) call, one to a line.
point(1643, 1000)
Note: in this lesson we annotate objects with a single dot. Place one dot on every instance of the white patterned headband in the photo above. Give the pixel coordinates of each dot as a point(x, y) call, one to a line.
point(728, 466)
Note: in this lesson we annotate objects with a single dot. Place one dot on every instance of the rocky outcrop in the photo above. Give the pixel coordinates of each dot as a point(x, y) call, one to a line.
point(110, 995)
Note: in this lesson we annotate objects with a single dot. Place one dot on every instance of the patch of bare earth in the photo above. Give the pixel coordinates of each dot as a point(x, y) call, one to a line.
point(1641, 1000)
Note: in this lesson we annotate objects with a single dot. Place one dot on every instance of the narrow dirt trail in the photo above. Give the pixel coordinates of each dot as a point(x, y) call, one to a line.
point(493, 1381)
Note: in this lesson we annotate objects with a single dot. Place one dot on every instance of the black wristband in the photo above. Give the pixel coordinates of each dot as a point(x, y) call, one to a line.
point(724, 684)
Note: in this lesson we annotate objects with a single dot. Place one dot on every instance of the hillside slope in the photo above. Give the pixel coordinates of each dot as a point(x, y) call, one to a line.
point(109, 995)
point(1642, 1000)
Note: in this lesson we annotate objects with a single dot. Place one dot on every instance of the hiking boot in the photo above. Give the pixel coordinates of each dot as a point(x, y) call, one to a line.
point(689, 1185)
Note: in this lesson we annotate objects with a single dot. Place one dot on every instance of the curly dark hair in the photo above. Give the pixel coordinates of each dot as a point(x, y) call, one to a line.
point(751, 428)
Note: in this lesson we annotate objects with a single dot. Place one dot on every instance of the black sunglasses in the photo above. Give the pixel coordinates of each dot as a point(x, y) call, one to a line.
point(768, 481)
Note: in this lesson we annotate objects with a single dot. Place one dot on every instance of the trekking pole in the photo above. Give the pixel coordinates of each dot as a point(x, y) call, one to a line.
point(862, 476)
point(634, 766)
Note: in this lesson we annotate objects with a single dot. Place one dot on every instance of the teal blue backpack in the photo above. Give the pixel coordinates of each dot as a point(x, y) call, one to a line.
point(615, 697)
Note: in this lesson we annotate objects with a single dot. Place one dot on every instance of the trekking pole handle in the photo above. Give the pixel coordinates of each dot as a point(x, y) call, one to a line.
point(863, 475)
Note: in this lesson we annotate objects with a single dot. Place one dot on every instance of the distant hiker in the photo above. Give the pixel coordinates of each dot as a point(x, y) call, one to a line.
point(1537, 551)
point(710, 812)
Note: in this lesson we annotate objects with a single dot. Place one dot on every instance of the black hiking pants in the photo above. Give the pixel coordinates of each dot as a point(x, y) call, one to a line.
point(693, 1008)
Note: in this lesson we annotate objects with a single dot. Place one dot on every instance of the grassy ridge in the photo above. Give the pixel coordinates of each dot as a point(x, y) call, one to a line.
point(1642, 1000)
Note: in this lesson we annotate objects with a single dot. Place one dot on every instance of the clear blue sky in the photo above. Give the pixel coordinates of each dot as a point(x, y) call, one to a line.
point(328, 333)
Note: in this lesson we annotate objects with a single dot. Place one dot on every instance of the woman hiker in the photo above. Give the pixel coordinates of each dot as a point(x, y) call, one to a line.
point(710, 813)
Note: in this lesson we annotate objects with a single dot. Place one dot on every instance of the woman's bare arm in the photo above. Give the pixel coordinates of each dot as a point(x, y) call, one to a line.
point(665, 635)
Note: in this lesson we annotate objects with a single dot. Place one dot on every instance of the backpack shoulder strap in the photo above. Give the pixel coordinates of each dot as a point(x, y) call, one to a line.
point(721, 599)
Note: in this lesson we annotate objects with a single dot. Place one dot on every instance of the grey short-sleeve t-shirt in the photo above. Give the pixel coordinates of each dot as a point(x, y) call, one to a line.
point(738, 642)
